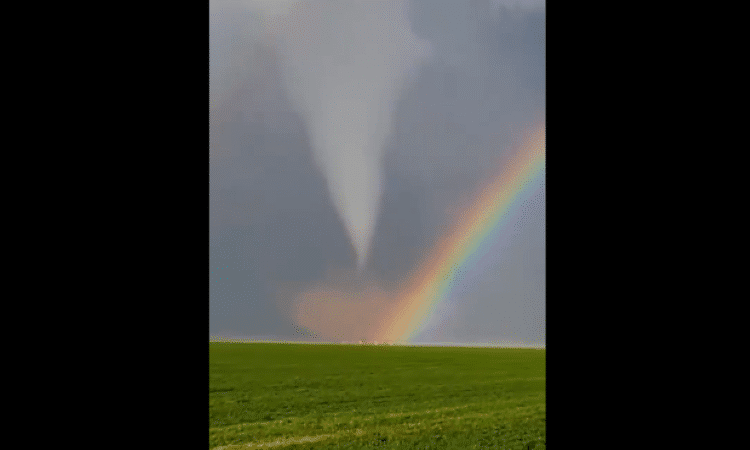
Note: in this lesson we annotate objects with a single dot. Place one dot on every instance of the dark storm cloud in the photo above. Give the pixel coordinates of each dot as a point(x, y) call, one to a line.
point(271, 217)
point(458, 121)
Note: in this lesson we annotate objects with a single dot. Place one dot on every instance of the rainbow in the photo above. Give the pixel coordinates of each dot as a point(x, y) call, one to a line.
point(462, 246)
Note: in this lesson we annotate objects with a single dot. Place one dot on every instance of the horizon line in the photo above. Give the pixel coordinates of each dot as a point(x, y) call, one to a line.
point(244, 339)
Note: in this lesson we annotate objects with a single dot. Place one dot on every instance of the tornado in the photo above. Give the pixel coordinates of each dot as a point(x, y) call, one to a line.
point(345, 63)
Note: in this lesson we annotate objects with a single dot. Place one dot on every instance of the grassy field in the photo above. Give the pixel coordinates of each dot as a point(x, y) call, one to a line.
point(297, 396)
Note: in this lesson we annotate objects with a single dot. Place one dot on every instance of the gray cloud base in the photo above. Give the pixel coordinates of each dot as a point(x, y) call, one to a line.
point(272, 219)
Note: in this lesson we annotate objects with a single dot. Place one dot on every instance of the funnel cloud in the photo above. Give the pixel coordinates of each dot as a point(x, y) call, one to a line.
point(344, 64)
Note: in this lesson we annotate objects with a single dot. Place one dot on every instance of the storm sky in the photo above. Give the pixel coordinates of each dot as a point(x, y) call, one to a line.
point(300, 195)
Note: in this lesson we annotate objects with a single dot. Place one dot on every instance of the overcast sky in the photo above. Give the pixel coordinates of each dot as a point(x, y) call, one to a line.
point(291, 201)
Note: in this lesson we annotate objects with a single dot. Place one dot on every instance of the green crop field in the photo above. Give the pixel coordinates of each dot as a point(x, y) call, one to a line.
point(300, 396)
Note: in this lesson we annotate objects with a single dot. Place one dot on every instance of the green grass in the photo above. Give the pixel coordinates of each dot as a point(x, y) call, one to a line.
point(297, 396)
